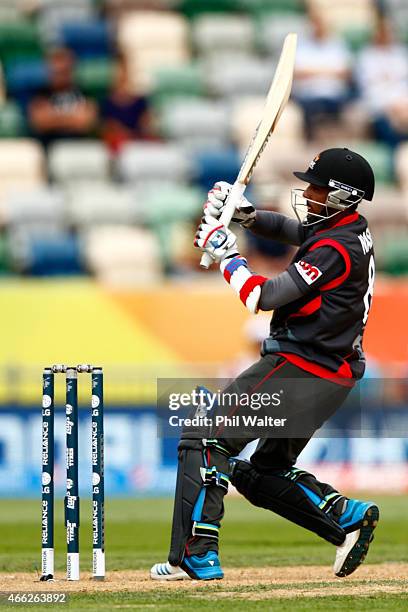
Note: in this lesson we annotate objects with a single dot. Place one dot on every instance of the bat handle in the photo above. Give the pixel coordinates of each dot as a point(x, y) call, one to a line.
point(233, 199)
point(206, 261)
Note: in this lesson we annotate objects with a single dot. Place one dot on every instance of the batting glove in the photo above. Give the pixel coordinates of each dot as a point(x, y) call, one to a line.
point(215, 239)
point(244, 213)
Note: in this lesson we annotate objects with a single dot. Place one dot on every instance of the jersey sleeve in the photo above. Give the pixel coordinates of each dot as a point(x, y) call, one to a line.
point(269, 224)
point(320, 268)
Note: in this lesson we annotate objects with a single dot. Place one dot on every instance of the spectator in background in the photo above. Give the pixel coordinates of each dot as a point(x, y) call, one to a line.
point(382, 78)
point(322, 74)
point(125, 115)
point(60, 110)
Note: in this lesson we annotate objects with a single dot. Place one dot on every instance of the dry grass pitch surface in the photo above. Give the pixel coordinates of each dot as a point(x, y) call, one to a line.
point(285, 582)
point(269, 563)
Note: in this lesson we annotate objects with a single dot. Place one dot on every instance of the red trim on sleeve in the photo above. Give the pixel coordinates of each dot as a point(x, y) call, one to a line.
point(210, 233)
point(336, 282)
point(309, 308)
point(254, 281)
point(343, 376)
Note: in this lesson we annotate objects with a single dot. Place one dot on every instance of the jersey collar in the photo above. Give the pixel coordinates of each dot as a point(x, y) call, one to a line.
point(343, 218)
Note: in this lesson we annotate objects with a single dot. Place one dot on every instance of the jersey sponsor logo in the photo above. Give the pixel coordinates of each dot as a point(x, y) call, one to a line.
point(366, 241)
point(307, 271)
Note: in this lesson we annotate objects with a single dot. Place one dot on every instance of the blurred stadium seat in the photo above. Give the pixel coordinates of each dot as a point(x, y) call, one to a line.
point(380, 157)
point(5, 259)
point(11, 10)
point(212, 34)
point(141, 29)
point(91, 203)
point(22, 164)
point(265, 7)
point(24, 77)
point(394, 252)
point(166, 206)
point(12, 121)
point(147, 162)
point(177, 81)
point(192, 8)
point(116, 7)
point(196, 122)
point(274, 27)
point(246, 114)
point(212, 164)
point(2, 85)
point(401, 167)
point(37, 206)
point(95, 76)
point(72, 160)
point(87, 38)
point(398, 11)
point(41, 252)
point(171, 203)
point(121, 256)
point(150, 40)
point(337, 14)
point(54, 13)
point(19, 40)
point(229, 76)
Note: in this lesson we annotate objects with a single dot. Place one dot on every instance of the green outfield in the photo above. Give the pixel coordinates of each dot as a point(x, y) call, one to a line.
point(286, 566)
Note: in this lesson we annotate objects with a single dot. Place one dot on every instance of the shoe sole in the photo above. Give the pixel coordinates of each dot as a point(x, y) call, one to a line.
point(169, 578)
point(359, 551)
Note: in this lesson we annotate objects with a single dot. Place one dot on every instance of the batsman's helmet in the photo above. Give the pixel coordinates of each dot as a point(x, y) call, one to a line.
point(348, 175)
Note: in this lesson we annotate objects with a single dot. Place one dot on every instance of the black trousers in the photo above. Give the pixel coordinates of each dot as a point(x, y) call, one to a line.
point(271, 481)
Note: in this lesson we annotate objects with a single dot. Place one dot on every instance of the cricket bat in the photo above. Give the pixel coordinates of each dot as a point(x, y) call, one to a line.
point(276, 100)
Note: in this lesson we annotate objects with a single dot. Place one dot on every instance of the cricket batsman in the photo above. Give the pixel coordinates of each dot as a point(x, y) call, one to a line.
point(321, 304)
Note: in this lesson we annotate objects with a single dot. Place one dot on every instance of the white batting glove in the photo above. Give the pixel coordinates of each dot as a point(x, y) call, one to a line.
point(244, 213)
point(215, 239)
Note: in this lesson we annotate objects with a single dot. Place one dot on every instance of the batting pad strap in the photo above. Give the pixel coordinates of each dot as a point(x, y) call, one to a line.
point(213, 443)
point(246, 284)
point(205, 530)
point(211, 476)
point(329, 501)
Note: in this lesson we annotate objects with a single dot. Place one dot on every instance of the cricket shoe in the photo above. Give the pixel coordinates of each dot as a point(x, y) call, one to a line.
point(195, 567)
point(359, 519)
point(165, 571)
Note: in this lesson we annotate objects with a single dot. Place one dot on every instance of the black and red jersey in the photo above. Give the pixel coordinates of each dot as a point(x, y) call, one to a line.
point(323, 330)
